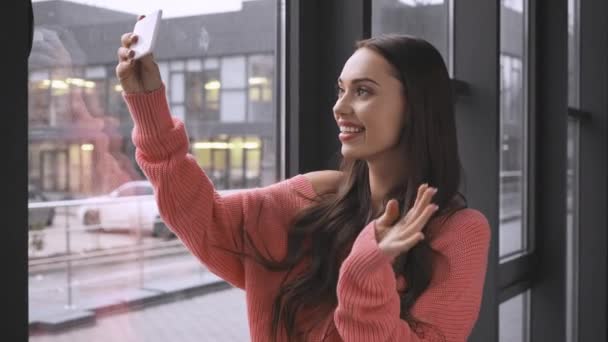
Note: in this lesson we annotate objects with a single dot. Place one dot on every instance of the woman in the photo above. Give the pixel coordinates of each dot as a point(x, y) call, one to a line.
point(383, 250)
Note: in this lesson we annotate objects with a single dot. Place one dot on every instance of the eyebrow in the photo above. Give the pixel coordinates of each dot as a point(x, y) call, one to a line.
point(359, 80)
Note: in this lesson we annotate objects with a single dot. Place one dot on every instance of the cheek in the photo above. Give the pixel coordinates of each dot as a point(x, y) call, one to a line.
point(383, 124)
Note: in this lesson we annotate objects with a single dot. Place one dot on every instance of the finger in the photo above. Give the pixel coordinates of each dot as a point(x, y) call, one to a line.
point(391, 213)
point(124, 54)
point(148, 63)
point(414, 211)
point(410, 242)
point(421, 220)
point(421, 190)
point(127, 39)
point(427, 196)
point(124, 69)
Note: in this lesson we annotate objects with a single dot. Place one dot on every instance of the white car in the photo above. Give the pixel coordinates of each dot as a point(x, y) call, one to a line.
point(131, 206)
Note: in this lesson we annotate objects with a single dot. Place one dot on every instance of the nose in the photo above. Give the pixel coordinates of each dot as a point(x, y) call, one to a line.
point(342, 107)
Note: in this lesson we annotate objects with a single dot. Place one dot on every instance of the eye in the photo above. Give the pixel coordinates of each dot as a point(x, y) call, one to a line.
point(339, 91)
point(362, 91)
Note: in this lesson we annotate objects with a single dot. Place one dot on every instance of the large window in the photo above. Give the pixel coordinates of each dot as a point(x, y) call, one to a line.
point(427, 19)
point(513, 159)
point(104, 246)
point(513, 129)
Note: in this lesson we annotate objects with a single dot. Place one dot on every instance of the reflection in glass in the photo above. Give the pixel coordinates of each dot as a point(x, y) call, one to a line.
point(106, 246)
point(513, 129)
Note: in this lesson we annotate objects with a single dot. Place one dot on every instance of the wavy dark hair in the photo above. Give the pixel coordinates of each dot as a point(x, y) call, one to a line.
point(323, 233)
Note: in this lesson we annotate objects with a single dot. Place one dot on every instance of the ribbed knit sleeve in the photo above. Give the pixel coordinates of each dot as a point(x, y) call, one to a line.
point(211, 226)
point(368, 302)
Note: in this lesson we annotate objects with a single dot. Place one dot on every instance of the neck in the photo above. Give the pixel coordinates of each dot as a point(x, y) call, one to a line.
point(384, 175)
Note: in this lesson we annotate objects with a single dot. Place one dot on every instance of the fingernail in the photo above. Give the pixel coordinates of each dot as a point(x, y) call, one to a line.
point(134, 39)
point(131, 53)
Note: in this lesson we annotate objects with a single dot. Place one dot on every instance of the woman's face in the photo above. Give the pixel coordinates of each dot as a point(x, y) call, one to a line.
point(370, 107)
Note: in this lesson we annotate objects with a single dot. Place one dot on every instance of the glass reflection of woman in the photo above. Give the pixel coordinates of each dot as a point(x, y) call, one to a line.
point(81, 109)
point(383, 250)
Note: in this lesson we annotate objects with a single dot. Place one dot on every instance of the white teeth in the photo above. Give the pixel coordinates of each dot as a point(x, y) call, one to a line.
point(348, 129)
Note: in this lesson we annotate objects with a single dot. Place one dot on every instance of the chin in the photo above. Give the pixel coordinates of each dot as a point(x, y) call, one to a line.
point(349, 152)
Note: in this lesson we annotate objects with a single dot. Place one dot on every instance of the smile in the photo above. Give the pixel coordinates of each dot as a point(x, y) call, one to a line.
point(350, 133)
point(350, 129)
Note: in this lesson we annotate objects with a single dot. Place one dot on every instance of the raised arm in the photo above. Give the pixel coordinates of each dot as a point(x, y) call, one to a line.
point(368, 302)
point(211, 226)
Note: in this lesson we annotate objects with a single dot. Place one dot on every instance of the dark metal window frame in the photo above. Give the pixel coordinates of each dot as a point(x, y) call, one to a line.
point(593, 171)
point(13, 255)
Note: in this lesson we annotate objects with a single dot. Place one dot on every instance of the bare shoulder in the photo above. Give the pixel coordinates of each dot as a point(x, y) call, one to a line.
point(326, 181)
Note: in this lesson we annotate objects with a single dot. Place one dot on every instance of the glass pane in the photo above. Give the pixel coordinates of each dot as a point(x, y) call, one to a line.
point(233, 106)
point(513, 316)
point(427, 19)
point(202, 97)
point(177, 88)
point(194, 65)
point(233, 72)
point(513, 128)
point(164, 73)
point(176, 65)
point(116, 105)
point(260, 88)
point(101, 248)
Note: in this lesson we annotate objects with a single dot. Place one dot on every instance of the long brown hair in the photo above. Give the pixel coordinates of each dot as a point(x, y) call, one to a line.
point(323, 233)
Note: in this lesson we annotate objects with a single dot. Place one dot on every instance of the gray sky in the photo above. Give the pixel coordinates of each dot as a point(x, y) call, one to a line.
point(171, 8)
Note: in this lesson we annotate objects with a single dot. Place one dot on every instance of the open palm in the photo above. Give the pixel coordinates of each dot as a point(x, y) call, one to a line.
point(398, 237)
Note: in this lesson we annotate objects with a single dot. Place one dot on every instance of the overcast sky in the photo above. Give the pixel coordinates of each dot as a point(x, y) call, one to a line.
point(171, 8)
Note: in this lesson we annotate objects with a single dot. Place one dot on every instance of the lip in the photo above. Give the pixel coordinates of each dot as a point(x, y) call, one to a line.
point(349, 124)
point(344, 137)
point(348, 136)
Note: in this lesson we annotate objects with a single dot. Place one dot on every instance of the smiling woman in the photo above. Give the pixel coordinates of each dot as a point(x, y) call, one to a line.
point(390, 251)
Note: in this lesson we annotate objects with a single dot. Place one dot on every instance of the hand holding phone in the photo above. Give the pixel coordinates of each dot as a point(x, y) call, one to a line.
point(146, 30)
point(136, 70)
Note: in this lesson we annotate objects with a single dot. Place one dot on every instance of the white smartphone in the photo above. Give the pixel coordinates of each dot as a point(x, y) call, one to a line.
point(146, 31)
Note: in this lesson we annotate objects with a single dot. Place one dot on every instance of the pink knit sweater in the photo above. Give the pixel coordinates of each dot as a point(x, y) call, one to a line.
point(210, 225)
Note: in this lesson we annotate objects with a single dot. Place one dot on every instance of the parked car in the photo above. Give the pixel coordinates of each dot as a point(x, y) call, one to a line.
point(131, 206)
point(161, 230)
point(39, 217)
